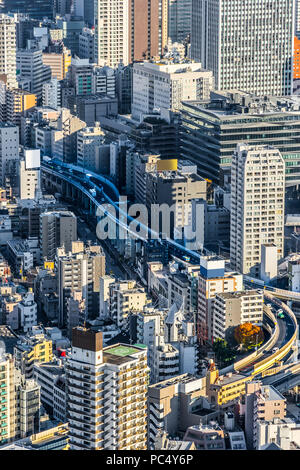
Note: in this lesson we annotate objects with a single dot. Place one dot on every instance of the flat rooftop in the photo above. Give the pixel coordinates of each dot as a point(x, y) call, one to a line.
point(121, 353)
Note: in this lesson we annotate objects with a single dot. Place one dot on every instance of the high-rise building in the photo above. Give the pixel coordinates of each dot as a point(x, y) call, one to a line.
point(59, 62)
point(257, 205)
point(179, 20)
point(126, 31)
point(8, 397)
point(36, 9)
point(263, 403)
point(248, 44)
point(18, 102)
point(297, 17)
point(31, 67)
point(30, 178)
point(213, 279)
point(57, 229)
point(106, 394)
point(80, 270)
point(89, 140)
point(163, 85)
point(211, 131)
point(9, 151)
point(8, 50)
point(52, 94)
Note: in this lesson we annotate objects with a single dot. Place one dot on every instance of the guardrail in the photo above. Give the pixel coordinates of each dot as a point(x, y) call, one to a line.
point(275, 357)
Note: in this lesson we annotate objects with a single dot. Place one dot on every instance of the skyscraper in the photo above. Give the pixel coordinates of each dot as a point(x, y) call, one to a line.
point(257, 205)
point(248, 44)
point(128, 30)
point(8, 50)
point(106, 394)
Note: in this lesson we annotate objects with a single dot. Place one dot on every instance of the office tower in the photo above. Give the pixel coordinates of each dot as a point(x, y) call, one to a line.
point(31, 67)
point(106, 394)
point(30, 178)
point(8, 50)
point(9, 151)
point(18, 103)
point(248, 44)
point(89, 140)
point(52, 94)
point(86, 44)
point(257, 205)
point(80, 270)
point(235, 308)
point(213, 279)
point(57, 229)
point(59, 62)
point(35, 9)
point(211, 130)
point(71, 29)
point(179, 20)
point(263, 403)
point(64, 136)
point(104, 81)
point(123, 76)
point(176, 188)
point(296, 61)
point(126, 31)
point(80, 76)
point(163, 85)
point(124, 297)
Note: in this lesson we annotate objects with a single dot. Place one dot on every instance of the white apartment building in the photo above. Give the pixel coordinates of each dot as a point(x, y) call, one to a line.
point(285, 433)
point(104, 81)
point(9, 150)
point(105, 282)
point(88, 141)
point(257, 205)
point(125, 297)
point(52, 94)
point(268, 265)
point(235, 308)
point(213, 279)
point(27, 310)
point(163, 85)
point(106, 394)
point(8, 50)
point(49, 376)
point(248, 44)
point(30, 178)
point(111, 32)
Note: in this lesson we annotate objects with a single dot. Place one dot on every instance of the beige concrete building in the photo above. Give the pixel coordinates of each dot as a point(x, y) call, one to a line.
point(80, 270)
point(164, 85)
point(235, 308)
point(89, 140)
point(125, 297)
point(257, 205)
point(263, 403)
point(57, 229)
point(213, 279)
point(107, 394)
point(174, 405)
point(59, 63)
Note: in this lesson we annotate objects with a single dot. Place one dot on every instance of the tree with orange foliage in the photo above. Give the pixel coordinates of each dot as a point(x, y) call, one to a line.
point(249, 335)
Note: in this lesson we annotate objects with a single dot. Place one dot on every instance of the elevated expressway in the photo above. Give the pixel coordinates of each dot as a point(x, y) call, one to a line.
point(97, 190)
